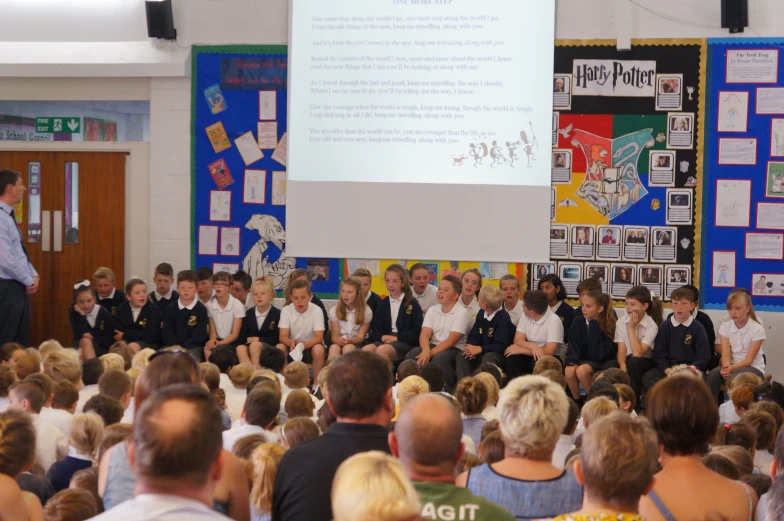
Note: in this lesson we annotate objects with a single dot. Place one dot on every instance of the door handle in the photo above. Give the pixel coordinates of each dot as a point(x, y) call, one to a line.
point(46, 232)
point(58, 231)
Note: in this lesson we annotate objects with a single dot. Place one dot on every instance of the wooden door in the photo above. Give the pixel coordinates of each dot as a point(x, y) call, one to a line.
point(69, 252)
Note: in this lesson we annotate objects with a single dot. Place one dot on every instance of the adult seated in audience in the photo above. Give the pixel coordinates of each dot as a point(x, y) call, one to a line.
point(684, 414)
point(176, 471)
point(302, 485)
point(17, 455)
point(427, 441)
point(532, 413)
point(116, 480)
point(373, 485)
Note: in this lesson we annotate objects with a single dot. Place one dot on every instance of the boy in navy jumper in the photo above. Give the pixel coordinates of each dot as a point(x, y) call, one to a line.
point(260, 325)
point(163, 295)
point(492, 332)
point(241, 284)
point(203, 284)
point(185, 321)
point(108, 296)
point(681, 340)
point(707, 323)
point(138, 319)
point(371, 299)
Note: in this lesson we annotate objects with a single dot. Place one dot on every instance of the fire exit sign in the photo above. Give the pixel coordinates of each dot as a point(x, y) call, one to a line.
point(58, 125)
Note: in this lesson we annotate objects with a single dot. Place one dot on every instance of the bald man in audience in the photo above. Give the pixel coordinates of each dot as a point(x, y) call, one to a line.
point(176, 470)
point(427, 441)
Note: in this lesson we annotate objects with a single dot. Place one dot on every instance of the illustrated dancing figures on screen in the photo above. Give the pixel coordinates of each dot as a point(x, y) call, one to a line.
point(512, 149)
point(478, 151)
point(496, 155)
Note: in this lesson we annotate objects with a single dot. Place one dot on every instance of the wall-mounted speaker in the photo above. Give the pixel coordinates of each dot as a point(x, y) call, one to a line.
point(160, 20)
point(734, 15)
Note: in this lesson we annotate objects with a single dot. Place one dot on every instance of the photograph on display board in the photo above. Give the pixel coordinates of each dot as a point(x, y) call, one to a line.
point(669, 92)
point(623, 278)
point(767, 284)
point(559, 241)
point(600, 272)
point(571, 274)
point(676, 277)
point(562, 91)
point(582, 246)
point(652, 277)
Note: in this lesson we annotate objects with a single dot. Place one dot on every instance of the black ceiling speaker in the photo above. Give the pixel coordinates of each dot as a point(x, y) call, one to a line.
point(734, 15)
point(160, 21)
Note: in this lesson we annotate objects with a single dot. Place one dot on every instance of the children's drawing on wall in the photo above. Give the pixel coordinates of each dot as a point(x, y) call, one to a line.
point(733, 111)
point(777, 137)
point(257, 261)
point(612, 184)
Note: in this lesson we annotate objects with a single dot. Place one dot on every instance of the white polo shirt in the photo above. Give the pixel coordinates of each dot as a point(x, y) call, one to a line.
point(161, 507)
point(726, 318)
point(348, 328)
point(87, 392)
point(427, 299)
point(741, 339)
point(58, 417)
point(645, 332)
point(223, 318)
point(548, 328)
point(516, 312)
point(394, 309)
point(472, 308)
point(261, 317)
point(302, 326)
point(50, 444)
point(457, 320)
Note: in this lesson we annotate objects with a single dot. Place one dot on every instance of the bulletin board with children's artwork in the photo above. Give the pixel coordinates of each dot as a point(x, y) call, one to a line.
point(626, 165)
point(743, 237)
point(238, 153)
point(491, 272)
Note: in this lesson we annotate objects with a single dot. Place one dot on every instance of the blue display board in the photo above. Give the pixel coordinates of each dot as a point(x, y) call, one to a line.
point(239, 213)
point(743, 196)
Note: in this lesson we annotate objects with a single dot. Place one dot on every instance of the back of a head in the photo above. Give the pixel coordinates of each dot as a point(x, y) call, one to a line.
point(739, 457)
point(555, 377)
point(299, 404)
point(771, 408)
point(225, 359)
point(494, 370)
point(46, 383)
point(65, 370)
point(358, 370)
point(627, 394)
point(32, 392)
point(26, 365)
point(71, 505)
point(262, 382)
point(597, 408)
point(410, 388)
point(86, 433)
point(745, 379)
point(115, 384)
point(142, 359)
point(264, 461)
point(488, 428)
point(87, 479)
point(7, 379)
point(163, 435)
point(603, 388)
point(92, 370)
point(297, 430)
point(17, 442)
point(573, 417)
point(408, 368)
point(491, 449)
point(296, 375)
point(165, 370)
point(759, 483)
point(433, 374)
point(618, 459)
point(764, 425)
point(126, 353)
point(742, 396)
point(721, 465)
point(684, 414)
point(771, 391)
point(48, 347)
point(261, 407)
point(245, 446)
point(112, 435)
point(532, 413)
point(272, 358)
point(109, 409)
point(112, 361)
point(741, 434)
point(209, 374)
point(429, 431)
point(491, 385)
point(472, 396)
point(547, 363)
point(373, 485)
point(614, 376)
point(240, 375)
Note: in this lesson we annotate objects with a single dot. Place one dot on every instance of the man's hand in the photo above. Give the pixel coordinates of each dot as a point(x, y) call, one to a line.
point(32, 289)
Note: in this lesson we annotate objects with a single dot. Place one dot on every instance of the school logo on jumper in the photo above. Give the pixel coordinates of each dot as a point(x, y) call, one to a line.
point(257, 261)
point(101, 326)
point(409, 309)
point(687, 340)
point(491, 332)
point(143, 322)
point(192, 320)
point(620, 78)
point(272, 325)
point(114, 310)
point(612, 183)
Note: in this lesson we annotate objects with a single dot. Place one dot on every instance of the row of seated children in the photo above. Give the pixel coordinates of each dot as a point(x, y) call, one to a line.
point(456, 337)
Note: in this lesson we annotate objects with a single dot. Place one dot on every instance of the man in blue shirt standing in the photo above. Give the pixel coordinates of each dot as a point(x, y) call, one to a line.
point(18, 278)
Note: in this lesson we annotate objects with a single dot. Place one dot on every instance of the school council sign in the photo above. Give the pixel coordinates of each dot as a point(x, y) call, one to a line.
point(614, 78)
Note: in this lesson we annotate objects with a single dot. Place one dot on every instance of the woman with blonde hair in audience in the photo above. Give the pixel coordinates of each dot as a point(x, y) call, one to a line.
point(532, 414)
point(264, 460)
point(684, 414)
point(373, 486)
point(616, 468)
point(116, 480)
point(17, 455)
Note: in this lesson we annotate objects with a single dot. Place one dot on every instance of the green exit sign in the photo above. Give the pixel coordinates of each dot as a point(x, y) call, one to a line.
point(58, 125)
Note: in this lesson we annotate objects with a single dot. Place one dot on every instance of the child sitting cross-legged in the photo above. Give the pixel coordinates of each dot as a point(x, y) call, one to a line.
point(491, 334)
